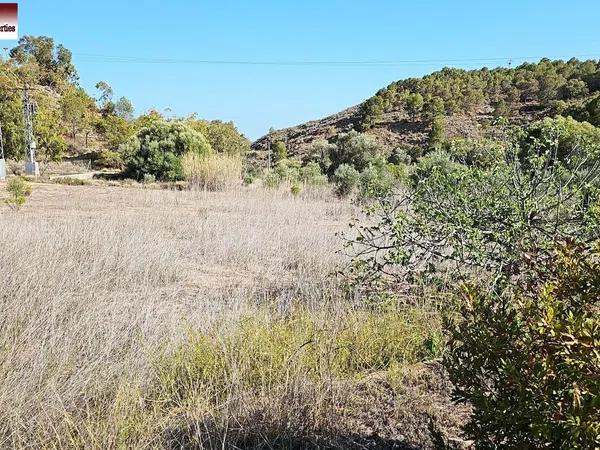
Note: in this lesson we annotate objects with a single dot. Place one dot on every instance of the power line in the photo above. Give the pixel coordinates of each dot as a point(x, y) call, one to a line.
point(90, 57)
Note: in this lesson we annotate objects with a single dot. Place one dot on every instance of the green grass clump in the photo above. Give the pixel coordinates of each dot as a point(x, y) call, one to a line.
point(18, 190)
point(259, 354)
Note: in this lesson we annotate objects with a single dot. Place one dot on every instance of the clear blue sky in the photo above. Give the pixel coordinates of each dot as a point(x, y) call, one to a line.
point(258, 97)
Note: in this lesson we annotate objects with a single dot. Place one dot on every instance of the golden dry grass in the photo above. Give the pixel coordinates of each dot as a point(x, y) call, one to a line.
point(125, 323)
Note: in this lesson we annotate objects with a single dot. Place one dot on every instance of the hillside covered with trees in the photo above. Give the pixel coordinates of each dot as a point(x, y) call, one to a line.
point(460, 103)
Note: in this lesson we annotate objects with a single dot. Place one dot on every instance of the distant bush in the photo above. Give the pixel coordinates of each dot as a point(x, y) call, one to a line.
point(114, 130)
point(400, 156)
point(70, 181)
point(287, 170)
point(222, 136)
point(319, 152)
point(213, 171)
point(354, 149)
point(149, 179)
point(311, 174)
point(346, 180)
point(280, 152)
point(108, 159)
point(158, 149)
point(481, 153)
point(529, 365)
point(376, 182)
point(271, 180)
point(18, 190)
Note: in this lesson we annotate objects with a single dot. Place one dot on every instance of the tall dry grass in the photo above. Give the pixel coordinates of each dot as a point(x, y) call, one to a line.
point(157, 319)
point(214, 171)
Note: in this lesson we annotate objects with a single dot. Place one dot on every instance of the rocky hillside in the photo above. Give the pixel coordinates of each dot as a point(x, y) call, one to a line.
point(470, 103)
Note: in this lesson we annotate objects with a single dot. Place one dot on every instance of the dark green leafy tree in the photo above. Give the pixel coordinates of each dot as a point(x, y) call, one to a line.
point(433, 108)
point(371, 112)
point(354, 149)
point(574, 88)
point(414, 105)
point(589, 111)
point(11, 118)
point(437, 135)
point(157, 150)
point(528, 361)
point(55, 62)
point(49, 130)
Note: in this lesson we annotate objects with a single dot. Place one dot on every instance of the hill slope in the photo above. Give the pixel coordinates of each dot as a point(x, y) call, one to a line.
point(470, 102)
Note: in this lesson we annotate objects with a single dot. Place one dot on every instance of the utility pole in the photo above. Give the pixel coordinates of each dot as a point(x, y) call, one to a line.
point(29, 109)
point(2, 160)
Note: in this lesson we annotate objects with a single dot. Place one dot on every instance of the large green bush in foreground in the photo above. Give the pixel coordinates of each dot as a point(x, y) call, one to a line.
point(157, 150)
point(530, 364)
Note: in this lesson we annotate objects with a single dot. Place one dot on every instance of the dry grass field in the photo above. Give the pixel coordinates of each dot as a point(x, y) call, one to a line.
point(138, 318)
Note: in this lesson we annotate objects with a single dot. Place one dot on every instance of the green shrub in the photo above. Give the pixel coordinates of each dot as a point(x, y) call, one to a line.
point(223, 137)
point(158, 149)
point(400, 156)
point(346, 179)
point(18, 190)
point(481, 153)
point(288, 170)
point(562, 139)
point(354, 149)
point(311, 174)
point(272, 180)
point(108, 159)
point(279, 152)
point(149, 179)
point(529, 363)
point(70, 181)
point(458, 219)
point(375, 182)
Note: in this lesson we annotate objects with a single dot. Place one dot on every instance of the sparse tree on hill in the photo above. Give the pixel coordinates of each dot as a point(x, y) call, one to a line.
point(106, 94)
point(371, 111)
point(414, 105)
point(124, 108)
